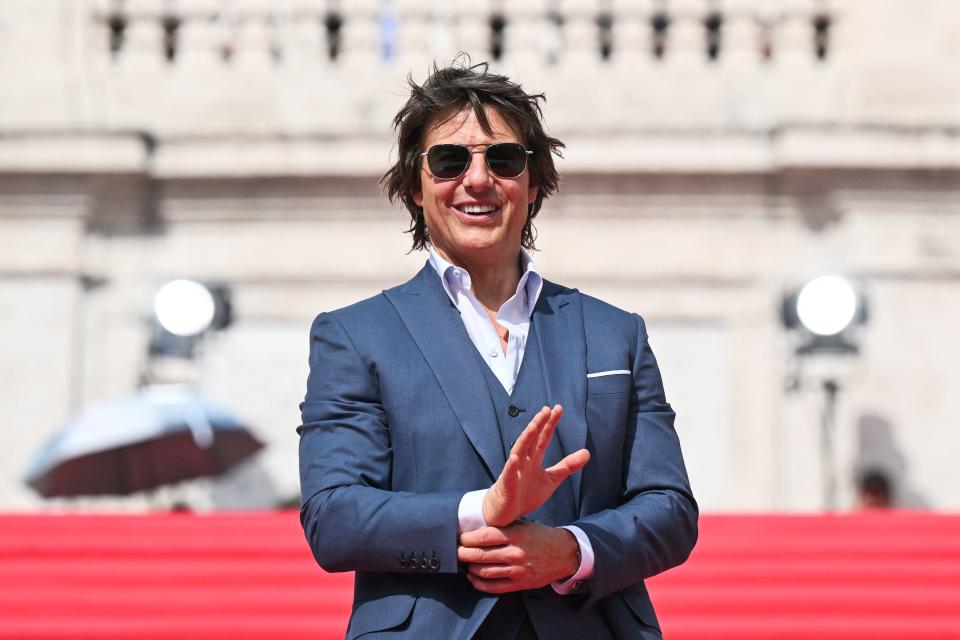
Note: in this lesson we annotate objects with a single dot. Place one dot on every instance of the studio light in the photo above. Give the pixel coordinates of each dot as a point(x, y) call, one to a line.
point(824, 313)
point(184, 307)
point(183, 312)
point(827, 305)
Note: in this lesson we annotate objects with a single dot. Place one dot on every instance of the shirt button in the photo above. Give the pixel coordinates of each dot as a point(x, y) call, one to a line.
point(493, 353)
point(456, 272)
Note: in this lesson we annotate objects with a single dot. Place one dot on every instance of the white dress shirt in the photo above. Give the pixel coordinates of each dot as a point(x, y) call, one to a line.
point(513, 315)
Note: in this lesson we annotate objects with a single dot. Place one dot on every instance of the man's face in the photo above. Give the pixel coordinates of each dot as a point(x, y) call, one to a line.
point(477, 218)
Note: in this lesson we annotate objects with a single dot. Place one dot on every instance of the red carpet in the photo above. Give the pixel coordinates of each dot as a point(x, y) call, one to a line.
point(251, 575)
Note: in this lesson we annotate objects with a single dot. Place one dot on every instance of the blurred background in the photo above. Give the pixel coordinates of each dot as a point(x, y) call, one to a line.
point(721, 156)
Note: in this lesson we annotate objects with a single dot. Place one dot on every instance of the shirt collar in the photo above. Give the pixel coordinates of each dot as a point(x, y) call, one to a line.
point(531, 282)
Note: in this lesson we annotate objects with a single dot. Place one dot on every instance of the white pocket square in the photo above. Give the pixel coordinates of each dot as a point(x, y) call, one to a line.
point(612, 372)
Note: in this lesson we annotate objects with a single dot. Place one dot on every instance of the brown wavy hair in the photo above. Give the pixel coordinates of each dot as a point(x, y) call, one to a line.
point(447, 92)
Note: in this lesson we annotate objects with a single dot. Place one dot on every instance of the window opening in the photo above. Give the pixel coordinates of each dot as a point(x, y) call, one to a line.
point(821, 35)
point(498, 28)
point(605, 35)
point(660, 23)
point(714, 32)
point(171, 30)
point(333, 24)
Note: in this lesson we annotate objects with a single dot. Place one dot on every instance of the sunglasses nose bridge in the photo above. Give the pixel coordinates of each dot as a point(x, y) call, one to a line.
point(477, 171)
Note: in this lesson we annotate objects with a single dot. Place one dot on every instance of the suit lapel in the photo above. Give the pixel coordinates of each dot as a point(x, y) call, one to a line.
point(558, 317)
point(436, 327)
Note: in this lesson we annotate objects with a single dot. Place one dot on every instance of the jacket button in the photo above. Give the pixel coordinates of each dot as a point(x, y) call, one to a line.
point(434, 562)
point(513, 411)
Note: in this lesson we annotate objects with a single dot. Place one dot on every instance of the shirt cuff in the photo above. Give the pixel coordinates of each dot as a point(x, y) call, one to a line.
point(574, 583)
point(470, 512)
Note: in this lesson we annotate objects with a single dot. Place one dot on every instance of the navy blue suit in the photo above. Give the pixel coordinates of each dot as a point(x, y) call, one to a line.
point(401, 419)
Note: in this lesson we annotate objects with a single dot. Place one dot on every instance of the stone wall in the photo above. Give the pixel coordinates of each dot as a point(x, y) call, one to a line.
point(695, 190)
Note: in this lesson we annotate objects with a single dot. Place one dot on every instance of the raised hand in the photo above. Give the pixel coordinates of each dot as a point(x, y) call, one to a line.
point(524, 484)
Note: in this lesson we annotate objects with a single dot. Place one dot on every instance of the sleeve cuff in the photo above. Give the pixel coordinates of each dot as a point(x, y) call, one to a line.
point(574, 583)
point(470, 513)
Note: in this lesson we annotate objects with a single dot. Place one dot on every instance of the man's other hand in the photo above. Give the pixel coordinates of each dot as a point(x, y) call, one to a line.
point(522, 556)
point(524, 484)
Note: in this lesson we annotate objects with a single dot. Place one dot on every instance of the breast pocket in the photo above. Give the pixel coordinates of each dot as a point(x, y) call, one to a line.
point(612, 384)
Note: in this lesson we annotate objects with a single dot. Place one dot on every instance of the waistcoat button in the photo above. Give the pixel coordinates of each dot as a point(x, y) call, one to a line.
point(513, 411)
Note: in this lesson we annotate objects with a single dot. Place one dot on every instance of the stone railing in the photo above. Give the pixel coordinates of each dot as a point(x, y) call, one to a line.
point(309, 87)
point(404, 33)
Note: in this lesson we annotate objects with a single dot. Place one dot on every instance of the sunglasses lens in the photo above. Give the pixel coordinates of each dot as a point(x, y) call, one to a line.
point(447, 161)
point(507, 159)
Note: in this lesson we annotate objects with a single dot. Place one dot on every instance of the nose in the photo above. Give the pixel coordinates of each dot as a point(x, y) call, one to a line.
point(477, 175)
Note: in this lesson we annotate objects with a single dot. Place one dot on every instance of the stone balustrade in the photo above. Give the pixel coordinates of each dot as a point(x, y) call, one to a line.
point(649, 85)
point(275, 33)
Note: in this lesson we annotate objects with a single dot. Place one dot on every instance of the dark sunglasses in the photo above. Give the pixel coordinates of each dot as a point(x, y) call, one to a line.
point(450, 161)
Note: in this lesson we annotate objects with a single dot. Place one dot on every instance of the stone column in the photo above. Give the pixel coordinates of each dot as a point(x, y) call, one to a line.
point(360, 51)
point(200, 43)
point(413, 37)
point(632, 35)
point(143, 42)
point(686, 37)
point(581, 35)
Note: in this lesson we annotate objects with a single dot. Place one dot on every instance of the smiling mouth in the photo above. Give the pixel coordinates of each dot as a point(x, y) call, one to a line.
point(477, 209)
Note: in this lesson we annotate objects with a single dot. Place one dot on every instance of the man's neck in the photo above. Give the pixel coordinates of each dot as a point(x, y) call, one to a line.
point(493, 282)
point(495, 285)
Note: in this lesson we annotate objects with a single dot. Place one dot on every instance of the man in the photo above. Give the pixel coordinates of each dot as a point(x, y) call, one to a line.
point(490, 452)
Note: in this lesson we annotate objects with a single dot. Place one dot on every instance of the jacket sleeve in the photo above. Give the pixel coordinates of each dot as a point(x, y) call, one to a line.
point(655, 526)
point(352, 519)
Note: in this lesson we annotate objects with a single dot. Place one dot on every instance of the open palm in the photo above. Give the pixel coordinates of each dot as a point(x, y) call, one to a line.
point(524, 485)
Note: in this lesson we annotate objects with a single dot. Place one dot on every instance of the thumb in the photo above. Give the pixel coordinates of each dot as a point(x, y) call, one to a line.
point(569, 465)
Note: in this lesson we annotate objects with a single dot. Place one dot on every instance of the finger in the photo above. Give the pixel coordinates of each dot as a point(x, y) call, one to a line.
point(569, 465)
point(484, 537)
point(500, 585)
point(528, 439)
point(510, 474)
point(505, 555)
point(493, 571)
point(470, 554)
point(482, 555)
point(546, 433)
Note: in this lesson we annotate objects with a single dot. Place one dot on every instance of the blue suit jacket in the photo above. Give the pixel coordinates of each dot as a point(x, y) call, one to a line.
point(397, 425)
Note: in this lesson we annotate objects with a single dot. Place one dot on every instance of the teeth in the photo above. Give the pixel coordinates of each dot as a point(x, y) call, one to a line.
point(477, 208)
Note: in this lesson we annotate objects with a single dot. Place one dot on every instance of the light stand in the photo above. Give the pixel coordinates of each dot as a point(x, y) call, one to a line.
point(828, 422)
point(823, 317)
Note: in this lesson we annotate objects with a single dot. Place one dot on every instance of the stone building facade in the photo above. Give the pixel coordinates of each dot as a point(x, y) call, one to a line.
point(717, 155)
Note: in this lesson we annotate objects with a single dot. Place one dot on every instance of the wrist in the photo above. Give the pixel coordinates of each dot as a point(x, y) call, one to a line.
point(489, 514)
point(571, 556)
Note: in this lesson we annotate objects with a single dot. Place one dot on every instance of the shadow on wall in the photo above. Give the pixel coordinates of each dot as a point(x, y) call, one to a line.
point(878, 452)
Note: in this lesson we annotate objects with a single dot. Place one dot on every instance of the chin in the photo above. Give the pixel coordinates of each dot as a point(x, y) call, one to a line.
point(480, 244)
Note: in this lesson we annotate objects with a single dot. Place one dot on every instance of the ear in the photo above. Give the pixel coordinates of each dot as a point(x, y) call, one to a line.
point(418, 194)
point(532, 192)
